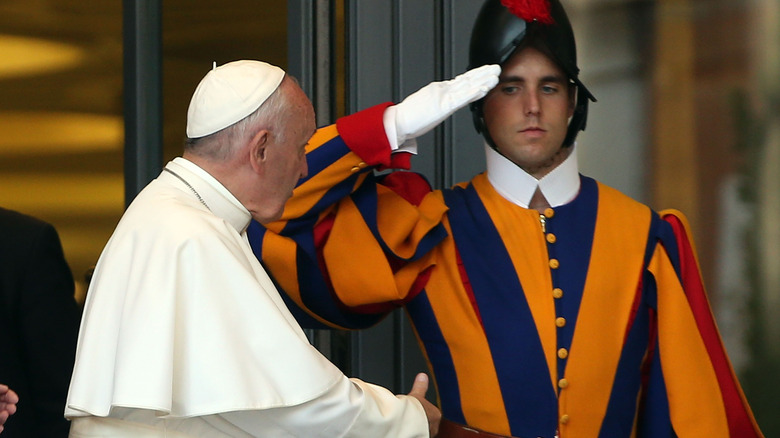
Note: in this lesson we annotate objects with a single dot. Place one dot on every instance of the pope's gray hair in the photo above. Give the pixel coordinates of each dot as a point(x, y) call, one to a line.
point(222, 144)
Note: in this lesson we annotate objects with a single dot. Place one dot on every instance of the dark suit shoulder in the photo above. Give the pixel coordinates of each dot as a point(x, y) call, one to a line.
point(21, 233)
point(16, 221)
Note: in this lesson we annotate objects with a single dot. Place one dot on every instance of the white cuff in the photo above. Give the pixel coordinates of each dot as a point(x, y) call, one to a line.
point(388, 119)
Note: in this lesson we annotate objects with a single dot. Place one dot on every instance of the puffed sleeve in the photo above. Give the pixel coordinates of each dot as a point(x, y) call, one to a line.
point(702, 391)
point(352, 244)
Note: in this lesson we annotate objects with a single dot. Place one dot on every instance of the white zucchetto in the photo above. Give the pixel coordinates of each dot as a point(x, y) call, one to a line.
point(229, 93)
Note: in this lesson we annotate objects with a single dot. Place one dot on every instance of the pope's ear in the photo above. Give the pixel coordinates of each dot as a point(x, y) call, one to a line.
point(258, 148)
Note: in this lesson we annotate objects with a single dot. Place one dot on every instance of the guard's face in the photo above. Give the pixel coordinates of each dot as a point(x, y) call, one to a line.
point(528, 112)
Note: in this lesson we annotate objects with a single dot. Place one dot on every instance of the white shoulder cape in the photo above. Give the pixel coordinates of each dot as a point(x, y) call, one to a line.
point(182, 319)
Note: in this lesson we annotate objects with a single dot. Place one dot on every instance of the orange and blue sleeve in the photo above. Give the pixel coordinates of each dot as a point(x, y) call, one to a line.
point(701, 387)
point(352, 245)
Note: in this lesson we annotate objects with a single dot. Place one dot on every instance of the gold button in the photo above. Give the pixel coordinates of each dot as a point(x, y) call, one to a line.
point(560, 322)
point(563, 383)
point(564, 419)
point(554, 263)
point(362, 164)
point(557, 292)
point(551, 238)
point(355, 169)
point(549, 212)
point(563, 353)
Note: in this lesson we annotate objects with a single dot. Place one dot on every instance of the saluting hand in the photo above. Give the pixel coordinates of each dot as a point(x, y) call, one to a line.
point(424, 109)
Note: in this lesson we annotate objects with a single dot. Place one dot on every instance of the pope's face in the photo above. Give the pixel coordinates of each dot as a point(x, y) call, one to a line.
point(286, 156)
point(528, 112)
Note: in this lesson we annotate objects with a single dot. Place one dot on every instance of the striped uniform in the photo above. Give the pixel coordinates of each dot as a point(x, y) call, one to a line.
point(587, 321)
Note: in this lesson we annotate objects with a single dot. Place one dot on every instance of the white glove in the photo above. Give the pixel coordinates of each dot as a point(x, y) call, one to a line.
point(422, 110)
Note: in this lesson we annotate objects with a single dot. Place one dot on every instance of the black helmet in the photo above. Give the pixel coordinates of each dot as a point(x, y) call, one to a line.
point(502, 26)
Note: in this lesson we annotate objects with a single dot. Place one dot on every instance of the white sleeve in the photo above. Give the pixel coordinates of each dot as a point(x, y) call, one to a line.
point(351, 408)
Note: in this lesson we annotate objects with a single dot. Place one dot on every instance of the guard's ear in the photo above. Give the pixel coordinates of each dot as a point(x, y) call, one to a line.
point(258, 149)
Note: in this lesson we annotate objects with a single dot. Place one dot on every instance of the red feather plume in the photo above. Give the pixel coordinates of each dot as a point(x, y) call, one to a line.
point(530, 10)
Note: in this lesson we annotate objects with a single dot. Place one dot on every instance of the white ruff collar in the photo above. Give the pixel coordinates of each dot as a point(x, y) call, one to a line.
point(559, 187)
point(211, 193)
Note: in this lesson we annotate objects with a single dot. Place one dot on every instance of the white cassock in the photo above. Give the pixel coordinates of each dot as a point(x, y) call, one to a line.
point(184, 334)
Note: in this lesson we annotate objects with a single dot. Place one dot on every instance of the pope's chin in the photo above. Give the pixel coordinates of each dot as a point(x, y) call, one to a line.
point(268, 215)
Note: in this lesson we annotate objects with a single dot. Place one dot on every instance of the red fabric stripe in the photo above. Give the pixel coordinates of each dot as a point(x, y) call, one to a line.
point(738, 415)
point(464, 278)
point(364, 133)
point(321, 232)
point(399, 160)
point(634, 308)
point(410, 186)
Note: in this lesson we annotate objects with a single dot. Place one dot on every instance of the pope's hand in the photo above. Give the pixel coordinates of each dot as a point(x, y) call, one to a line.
point(435, 102)
point(419, 388)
